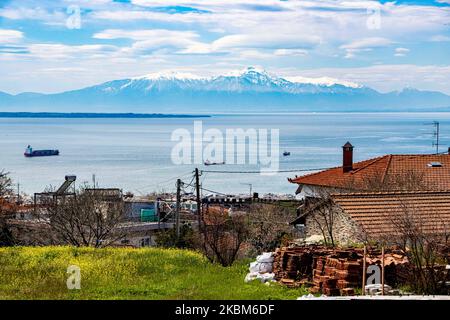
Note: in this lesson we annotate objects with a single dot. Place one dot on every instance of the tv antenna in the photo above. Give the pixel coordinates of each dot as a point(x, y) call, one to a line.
point(435, 133)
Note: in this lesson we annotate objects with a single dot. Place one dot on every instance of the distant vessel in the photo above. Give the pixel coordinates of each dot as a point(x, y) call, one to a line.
point(29, 152)
point(209, 163)
point(286, 153)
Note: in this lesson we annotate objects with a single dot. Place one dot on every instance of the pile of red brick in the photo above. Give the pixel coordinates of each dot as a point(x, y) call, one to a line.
point(293, 266)
point(331, 271)
point(338, 273)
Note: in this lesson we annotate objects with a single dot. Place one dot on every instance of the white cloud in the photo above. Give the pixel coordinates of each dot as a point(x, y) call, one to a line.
point(440, 38)
point(245, 23)
point(253, 55)
point(229, 34)
point(144, 34)
point(89, 2)
point(265, 40)
point(37, 13)
point(147, 40)
point(197, 48)
point(61, 51)
point(10, 36)
point(401, 52)
point(366, 44)
point(290, 52)
point(238, 42)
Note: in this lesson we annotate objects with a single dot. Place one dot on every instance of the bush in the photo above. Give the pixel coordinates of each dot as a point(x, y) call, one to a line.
point(188, 238)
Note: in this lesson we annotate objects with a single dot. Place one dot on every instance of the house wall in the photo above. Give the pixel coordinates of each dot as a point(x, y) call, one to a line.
point(140, 239)
point(315, 191)
point(346, 231)
point(133, 209)
point(306, 191)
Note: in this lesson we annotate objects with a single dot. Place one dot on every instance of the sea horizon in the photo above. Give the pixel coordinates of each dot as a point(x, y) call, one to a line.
point(133, 154)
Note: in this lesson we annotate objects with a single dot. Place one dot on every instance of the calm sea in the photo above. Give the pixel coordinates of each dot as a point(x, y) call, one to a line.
point(134, 154)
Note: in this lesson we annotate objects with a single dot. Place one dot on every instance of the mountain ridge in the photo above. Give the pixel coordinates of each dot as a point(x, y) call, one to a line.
point(253, 89)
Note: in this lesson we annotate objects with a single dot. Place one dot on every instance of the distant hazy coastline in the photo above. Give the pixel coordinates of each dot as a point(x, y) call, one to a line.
point(96, 115)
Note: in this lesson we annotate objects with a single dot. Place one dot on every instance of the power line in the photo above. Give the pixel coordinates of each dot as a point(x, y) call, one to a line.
point(275, 171)
point(165, 182)
point(160, 184)
point(190, 184)
point(203, 177)
point(174, 178)
point(216, 192)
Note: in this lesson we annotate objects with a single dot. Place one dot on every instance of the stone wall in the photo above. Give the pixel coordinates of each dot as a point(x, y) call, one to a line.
point(345, 229)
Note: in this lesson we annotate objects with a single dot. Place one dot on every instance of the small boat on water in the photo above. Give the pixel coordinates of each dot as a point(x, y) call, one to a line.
point(286, 153)
point(209, 163)
point(29, 152)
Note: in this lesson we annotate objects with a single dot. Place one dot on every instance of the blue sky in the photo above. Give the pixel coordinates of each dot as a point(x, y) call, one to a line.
point(387, 45)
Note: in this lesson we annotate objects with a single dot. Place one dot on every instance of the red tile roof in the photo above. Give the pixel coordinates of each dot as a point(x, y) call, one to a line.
point(384, 169)
point(381, 213)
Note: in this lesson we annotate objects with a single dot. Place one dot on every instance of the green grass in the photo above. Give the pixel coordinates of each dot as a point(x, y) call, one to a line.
point(113, 273)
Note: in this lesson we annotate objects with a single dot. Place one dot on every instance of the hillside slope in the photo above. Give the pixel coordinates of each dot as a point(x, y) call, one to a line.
point(117, 273)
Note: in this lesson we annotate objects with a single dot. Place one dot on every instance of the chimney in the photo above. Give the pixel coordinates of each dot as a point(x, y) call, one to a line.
point(347, 157)
point(448, 150)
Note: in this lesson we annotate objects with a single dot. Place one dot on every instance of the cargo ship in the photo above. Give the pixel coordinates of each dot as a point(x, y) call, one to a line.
point(209, 163)
point(29, 152)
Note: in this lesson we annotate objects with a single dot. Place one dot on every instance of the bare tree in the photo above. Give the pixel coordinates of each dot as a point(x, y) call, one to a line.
point(88, 218)
point(325, 216)
point(269, 224)
point(424, 237)
point(223, 235)
point(7, 209)
point(5, 184)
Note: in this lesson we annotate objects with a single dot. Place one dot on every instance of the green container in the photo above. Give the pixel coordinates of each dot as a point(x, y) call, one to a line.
point(148, 215)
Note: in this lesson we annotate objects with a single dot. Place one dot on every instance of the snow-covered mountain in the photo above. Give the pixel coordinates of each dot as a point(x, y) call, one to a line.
point(251, 89)
point(249, 79)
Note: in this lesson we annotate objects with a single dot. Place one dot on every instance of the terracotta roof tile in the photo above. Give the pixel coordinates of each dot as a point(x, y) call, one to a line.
point(383, 169)
point(379, 213)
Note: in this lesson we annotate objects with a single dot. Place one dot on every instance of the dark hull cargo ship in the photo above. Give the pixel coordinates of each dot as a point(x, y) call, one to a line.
point(29, 152)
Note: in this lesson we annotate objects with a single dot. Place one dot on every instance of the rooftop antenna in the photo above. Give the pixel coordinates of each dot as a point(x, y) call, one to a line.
point(435, 133)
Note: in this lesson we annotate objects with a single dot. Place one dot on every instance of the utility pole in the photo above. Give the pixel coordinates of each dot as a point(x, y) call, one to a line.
point(18, 192)
point(250, 186)
point(363, 291)
point(197, 191)
point(382, 270)
point(177, 212)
